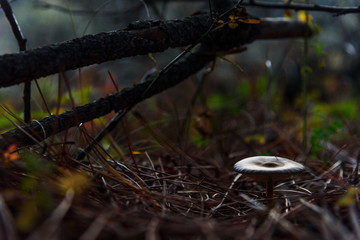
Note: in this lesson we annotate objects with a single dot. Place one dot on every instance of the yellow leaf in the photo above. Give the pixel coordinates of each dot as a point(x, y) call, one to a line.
point(221, 25)
point(302, 16)
point(322, 63)
point(250, 21)
point(27, 216)
point(258, 138)
point(233, 25)
point(348, 198)
point(232, 18)
point(76, 181)
point(137, 153)
point(261, 140)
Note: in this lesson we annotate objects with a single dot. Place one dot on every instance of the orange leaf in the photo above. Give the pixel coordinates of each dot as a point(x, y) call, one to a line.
point(9, 155)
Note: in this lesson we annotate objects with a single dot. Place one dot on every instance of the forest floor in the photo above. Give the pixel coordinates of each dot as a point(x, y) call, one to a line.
point(161, 176)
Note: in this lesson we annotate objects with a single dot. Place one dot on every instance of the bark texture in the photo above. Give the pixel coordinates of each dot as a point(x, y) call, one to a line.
point(139, 38)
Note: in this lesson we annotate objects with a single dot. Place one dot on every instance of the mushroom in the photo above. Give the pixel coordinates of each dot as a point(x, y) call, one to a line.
point(268, 169)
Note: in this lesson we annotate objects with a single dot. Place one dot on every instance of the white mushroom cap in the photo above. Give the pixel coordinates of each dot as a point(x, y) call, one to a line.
point(263, 167)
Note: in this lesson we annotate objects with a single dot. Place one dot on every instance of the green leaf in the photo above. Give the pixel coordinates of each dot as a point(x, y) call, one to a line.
point(200, 141)
point(35, 164)
point(305, 70)
point(217, 101)
point(346, 109)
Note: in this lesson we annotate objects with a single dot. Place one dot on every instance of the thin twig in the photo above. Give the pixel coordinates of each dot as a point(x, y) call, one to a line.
point(129, 143)
point(226, 194)
point(186, 122)
point(14, 24)
point(22, 47)
point(108, 128)
point(306, 7)
point(188, 49)
point(59, 8)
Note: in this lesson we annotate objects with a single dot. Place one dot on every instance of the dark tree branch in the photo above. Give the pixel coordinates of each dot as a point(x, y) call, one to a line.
point(137, 39)
point(274, 28)
point(129, 97)
point(306, 7)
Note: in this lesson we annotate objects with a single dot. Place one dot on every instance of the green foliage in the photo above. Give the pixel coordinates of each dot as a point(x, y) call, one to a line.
point(33, 185)
point(347, 109)
point(261, 86)
point(243, 89)
point(305, 71)
point(200, 141)
point(233, 101)
point(323, 129)
point(80, 96)
point(5, 124)
point(323, 134)
point(218, 101)
point(318, 47)
point(315, 28)
point(323, 111)
point(36, 165)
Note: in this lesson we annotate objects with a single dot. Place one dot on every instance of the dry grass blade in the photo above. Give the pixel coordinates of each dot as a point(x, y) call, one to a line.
point(48, 228)
point(7, 227)
point(97, 226)
point(354, 220)
point(333, 227)
point(227, 192)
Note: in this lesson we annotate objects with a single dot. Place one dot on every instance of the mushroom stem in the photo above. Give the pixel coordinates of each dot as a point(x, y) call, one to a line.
point(269, 187)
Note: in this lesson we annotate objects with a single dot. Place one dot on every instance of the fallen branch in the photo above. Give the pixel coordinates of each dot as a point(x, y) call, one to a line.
point(129, 97)
point(122, 100)
point(139, 38)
